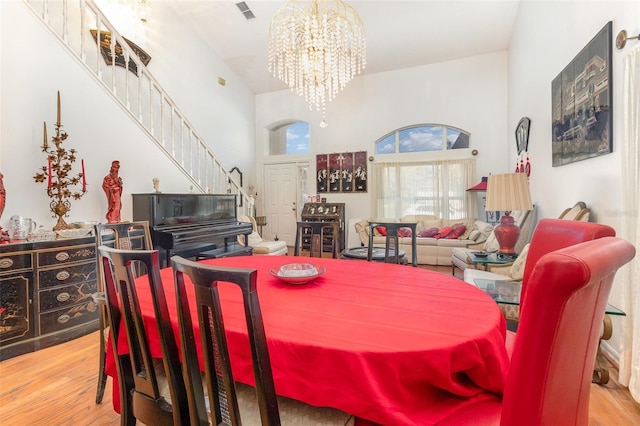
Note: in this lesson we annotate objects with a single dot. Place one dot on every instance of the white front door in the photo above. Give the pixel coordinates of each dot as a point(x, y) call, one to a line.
point(281, 201)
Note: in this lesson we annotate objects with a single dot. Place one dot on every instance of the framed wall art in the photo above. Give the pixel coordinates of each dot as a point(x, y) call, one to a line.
point(581, 94)
point(119, 59)
point(342, 172)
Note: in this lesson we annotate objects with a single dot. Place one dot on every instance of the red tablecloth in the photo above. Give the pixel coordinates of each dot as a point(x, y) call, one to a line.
point(393, 344)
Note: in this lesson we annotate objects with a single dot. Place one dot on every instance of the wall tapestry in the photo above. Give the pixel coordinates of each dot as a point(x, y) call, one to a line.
point(342, 172)
point(581, 99)
point(105, 51)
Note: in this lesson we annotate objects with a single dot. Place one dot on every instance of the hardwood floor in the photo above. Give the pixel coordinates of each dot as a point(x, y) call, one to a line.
point(56, 386)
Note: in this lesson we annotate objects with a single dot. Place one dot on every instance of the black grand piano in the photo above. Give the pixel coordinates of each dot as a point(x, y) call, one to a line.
point(192, 224)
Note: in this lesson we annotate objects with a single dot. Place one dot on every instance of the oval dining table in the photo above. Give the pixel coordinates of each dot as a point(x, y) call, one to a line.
point(391, 344)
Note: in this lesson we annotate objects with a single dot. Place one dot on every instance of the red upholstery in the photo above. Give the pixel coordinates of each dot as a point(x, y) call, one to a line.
point(550, 373)
point(554, 234)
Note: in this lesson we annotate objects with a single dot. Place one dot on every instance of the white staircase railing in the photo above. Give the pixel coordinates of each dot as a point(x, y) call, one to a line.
point(76, 24)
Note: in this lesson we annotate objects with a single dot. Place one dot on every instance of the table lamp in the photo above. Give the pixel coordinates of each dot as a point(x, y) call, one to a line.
point(508, 192)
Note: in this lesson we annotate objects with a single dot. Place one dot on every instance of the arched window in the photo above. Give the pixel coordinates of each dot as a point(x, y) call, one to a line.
point(410, 184)
point(421, 138)
point(292, 137)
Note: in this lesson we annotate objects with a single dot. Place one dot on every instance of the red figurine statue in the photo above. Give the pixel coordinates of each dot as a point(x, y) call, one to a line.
point(112, 186)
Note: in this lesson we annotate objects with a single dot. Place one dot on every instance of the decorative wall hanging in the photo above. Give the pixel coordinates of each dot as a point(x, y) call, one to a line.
point(119, 58)
point(582, 102)
point(342, 172)
point(522, 143)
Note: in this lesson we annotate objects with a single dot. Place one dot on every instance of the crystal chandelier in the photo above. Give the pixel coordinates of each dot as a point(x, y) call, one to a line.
point(316, 47)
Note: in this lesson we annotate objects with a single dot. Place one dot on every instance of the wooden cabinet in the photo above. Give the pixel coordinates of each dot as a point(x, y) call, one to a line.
point(326, 212)
point(45, 293)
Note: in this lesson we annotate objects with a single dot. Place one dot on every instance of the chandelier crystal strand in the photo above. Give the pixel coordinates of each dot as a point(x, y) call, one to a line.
point(316, 47)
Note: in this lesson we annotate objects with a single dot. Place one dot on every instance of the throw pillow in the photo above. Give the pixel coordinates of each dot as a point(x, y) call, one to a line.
point(382, 230)
point(517, 269)
point(404, 232)
point(457, 230)
point(467, 232)
point(491, 245)
point(428, 233)
point(474, 235)
point(443, 232)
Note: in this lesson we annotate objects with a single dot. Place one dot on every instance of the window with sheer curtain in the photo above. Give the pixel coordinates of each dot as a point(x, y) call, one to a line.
point(436, 188)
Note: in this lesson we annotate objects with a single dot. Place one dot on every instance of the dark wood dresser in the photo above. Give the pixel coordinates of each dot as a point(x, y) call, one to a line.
point(45, 293)
point(326, 212)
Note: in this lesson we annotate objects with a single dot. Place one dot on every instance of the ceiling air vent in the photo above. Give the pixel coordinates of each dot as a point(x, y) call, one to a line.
point(245, 10)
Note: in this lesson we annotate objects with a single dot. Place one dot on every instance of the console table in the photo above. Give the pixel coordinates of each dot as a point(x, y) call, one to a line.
point(45, 293)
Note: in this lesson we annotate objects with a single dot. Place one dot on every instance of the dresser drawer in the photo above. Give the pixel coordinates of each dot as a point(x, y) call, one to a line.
point(12, 262)
point(61, 297)
point(64, 255)
point(68, 317)
point(66, 275)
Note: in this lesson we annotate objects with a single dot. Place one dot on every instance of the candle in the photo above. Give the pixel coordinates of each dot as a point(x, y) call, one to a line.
point(49, 172)
point(58, 123)
point(84, 180)
point(44, 145)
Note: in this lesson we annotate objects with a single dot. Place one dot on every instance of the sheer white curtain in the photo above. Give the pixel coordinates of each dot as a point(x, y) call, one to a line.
point(435, 188)
point(630, 153)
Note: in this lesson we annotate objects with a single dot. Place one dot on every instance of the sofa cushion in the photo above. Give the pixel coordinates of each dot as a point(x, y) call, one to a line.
point(456, 231)
point(491, 244)
point(485, 229)
point(443, 232)
point(404, 232)
point(380, 230)
point(517, 269)
point(428, 233)
point(467, 232)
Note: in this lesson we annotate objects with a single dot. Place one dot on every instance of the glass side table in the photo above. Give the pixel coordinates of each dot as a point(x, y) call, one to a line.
point(508, 292)
point(485, 259)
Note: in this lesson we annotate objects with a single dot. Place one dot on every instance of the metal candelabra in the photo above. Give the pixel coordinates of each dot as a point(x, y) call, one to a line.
point(57, 173)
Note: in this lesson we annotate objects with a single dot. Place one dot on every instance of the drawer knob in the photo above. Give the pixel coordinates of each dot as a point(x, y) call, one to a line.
point(62, 256)
point(62, 319)
point(6, 263)
point(63, 297)
point(62, 275)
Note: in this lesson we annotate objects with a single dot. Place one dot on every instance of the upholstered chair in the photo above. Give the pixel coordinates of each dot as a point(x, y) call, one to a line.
point(549, 378)
point(461, 256)
point(260, 246)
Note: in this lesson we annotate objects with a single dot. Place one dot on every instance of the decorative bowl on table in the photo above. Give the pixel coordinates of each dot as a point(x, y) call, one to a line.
point(297, 273)
point(480, 254)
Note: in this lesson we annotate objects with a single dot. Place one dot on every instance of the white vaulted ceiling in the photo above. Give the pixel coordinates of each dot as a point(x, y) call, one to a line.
point(400, 34)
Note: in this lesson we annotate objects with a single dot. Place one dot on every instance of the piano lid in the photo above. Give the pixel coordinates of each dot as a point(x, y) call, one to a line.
point(184, 209)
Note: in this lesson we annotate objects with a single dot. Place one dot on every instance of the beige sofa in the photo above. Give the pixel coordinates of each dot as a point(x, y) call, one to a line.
point(431, 251)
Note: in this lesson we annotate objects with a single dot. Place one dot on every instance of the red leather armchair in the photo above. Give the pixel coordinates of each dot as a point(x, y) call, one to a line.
point(549, 378)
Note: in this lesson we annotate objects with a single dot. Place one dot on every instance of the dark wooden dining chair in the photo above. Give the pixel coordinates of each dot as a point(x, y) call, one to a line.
point(317, 238)
point(127, 236)
point(226, 397)
point(391, 246)
point(558, 335)
point(143, 396)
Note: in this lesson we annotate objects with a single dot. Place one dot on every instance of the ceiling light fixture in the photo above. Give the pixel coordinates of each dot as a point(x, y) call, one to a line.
point(144, 9)
point(316, 47)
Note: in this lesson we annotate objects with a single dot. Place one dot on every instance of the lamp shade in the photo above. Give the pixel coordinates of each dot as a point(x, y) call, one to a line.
point(508, 192)
point(482, 186)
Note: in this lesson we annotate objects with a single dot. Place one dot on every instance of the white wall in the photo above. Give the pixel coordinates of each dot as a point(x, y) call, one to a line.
point(547, 36)
point(34, 66)
point(469, 93)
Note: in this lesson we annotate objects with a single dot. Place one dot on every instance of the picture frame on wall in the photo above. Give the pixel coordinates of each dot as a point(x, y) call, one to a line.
point(582, 121)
